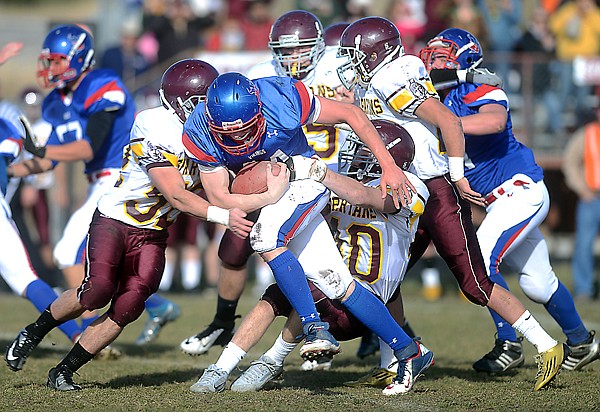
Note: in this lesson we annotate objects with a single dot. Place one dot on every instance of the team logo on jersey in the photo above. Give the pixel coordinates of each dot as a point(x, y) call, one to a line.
point(274, 133)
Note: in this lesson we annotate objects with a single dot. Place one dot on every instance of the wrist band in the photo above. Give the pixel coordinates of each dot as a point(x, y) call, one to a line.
point(461, 74)
point(216, 214)
point(456, 167)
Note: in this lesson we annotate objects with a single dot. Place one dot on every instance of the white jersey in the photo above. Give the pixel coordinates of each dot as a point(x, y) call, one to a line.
point(155, 141)
point(322, 81)
point(394, 93)
point(375, 245)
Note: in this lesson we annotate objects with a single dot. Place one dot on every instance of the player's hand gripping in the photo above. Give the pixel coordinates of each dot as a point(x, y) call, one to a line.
point(465, 191)
point(29, 139)
point(401, 188)
point(277, 185)
point(483, 76)
point(237, 224)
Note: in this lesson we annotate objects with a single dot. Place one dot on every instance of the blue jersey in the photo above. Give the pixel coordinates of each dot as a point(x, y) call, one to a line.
point(100, 90)
point(491, 159)
point(10, 147)
point(287, 105)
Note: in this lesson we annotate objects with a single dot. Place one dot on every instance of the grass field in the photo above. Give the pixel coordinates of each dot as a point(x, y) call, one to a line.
point(158, 377)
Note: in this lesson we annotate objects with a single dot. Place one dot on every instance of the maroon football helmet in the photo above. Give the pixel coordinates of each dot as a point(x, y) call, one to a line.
point(357, 161)
point(297, 43)
point(369, 44)
point(184, 85)
point(333, 33)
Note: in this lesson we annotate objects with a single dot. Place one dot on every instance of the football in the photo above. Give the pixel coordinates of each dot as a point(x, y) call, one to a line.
point(253, 178)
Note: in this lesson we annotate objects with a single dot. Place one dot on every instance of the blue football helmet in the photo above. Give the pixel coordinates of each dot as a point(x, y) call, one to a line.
point(233, 110)
point(455, 49)
point(67, 52)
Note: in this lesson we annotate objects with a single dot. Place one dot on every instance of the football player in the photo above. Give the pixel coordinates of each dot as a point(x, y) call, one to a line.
point(244, 120)
point(127, 236)
point(516, 203)
point(15, 267)
point(390, 84)
point(91, 113)
point(375, 248)
point(299, 51)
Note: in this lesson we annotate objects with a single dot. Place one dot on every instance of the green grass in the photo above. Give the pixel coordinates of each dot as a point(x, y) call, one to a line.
point(158, 378)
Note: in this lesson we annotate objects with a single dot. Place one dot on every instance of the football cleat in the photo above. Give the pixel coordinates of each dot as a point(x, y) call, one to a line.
point(19, 350)
point(504, 356)
point(377, 378)
point(61, 379)
point(260, 372)
point(321, 363)
point(318, 341)
point(412, 362)
point(369, 345)
point(155, 323)
point(549, 363)
point(213, 380)
point(200, 344)
point(583, 354)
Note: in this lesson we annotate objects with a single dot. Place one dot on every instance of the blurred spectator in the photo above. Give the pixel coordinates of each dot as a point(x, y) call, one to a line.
point(538, 39)
point(256, 25)
point(177, 24)
point(463, 14)
point(581, 167)
point(226, 36)
point(502, 22)
point(125, 58)
point(409, 17)
point(576, 27)
point(328, 11)
point(357, 9)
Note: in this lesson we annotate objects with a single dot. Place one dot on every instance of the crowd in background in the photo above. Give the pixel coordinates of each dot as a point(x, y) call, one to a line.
point(554, 34)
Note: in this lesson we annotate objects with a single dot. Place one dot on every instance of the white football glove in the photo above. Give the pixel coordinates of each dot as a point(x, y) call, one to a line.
point(483, 76)
point(308, 168)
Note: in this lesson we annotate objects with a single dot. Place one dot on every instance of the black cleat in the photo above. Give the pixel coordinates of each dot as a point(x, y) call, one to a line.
point(19, 350)
point(504, 356)
point(61, 379)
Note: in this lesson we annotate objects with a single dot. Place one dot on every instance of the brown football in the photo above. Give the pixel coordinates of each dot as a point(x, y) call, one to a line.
point(253, 178)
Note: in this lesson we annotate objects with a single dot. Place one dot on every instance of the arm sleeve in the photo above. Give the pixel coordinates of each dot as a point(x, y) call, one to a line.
point(443, 79)
point(99, 127)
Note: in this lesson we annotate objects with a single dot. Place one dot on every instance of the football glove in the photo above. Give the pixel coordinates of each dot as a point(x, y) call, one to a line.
point(483, 76)
point(28, 139)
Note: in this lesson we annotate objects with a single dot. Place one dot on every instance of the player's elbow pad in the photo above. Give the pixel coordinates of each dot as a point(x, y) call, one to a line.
point(99, 126)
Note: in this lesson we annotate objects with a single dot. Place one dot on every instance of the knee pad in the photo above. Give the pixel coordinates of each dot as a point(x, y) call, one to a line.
point(234, 251)
point(479, 299)
point(538, 288)
point(332, 283)
point(262, 240)
point(96, 293)
point(127, 306)
point(275, 297)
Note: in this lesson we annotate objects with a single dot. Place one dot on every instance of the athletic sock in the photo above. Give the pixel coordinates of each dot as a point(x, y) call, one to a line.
point(156, 304)
point(76, 358)
point(534, 333)
point(280, 349)
point(42, 295)
point(231, 357)
point(374, 315)
point(290, 278)
point(504, 329)
point(562, 308)
point(43, 325)
point(225, 316)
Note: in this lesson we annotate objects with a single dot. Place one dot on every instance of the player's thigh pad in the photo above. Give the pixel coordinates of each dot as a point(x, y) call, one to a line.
point(321, 260)
point(142, 271)
point(280, 222)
